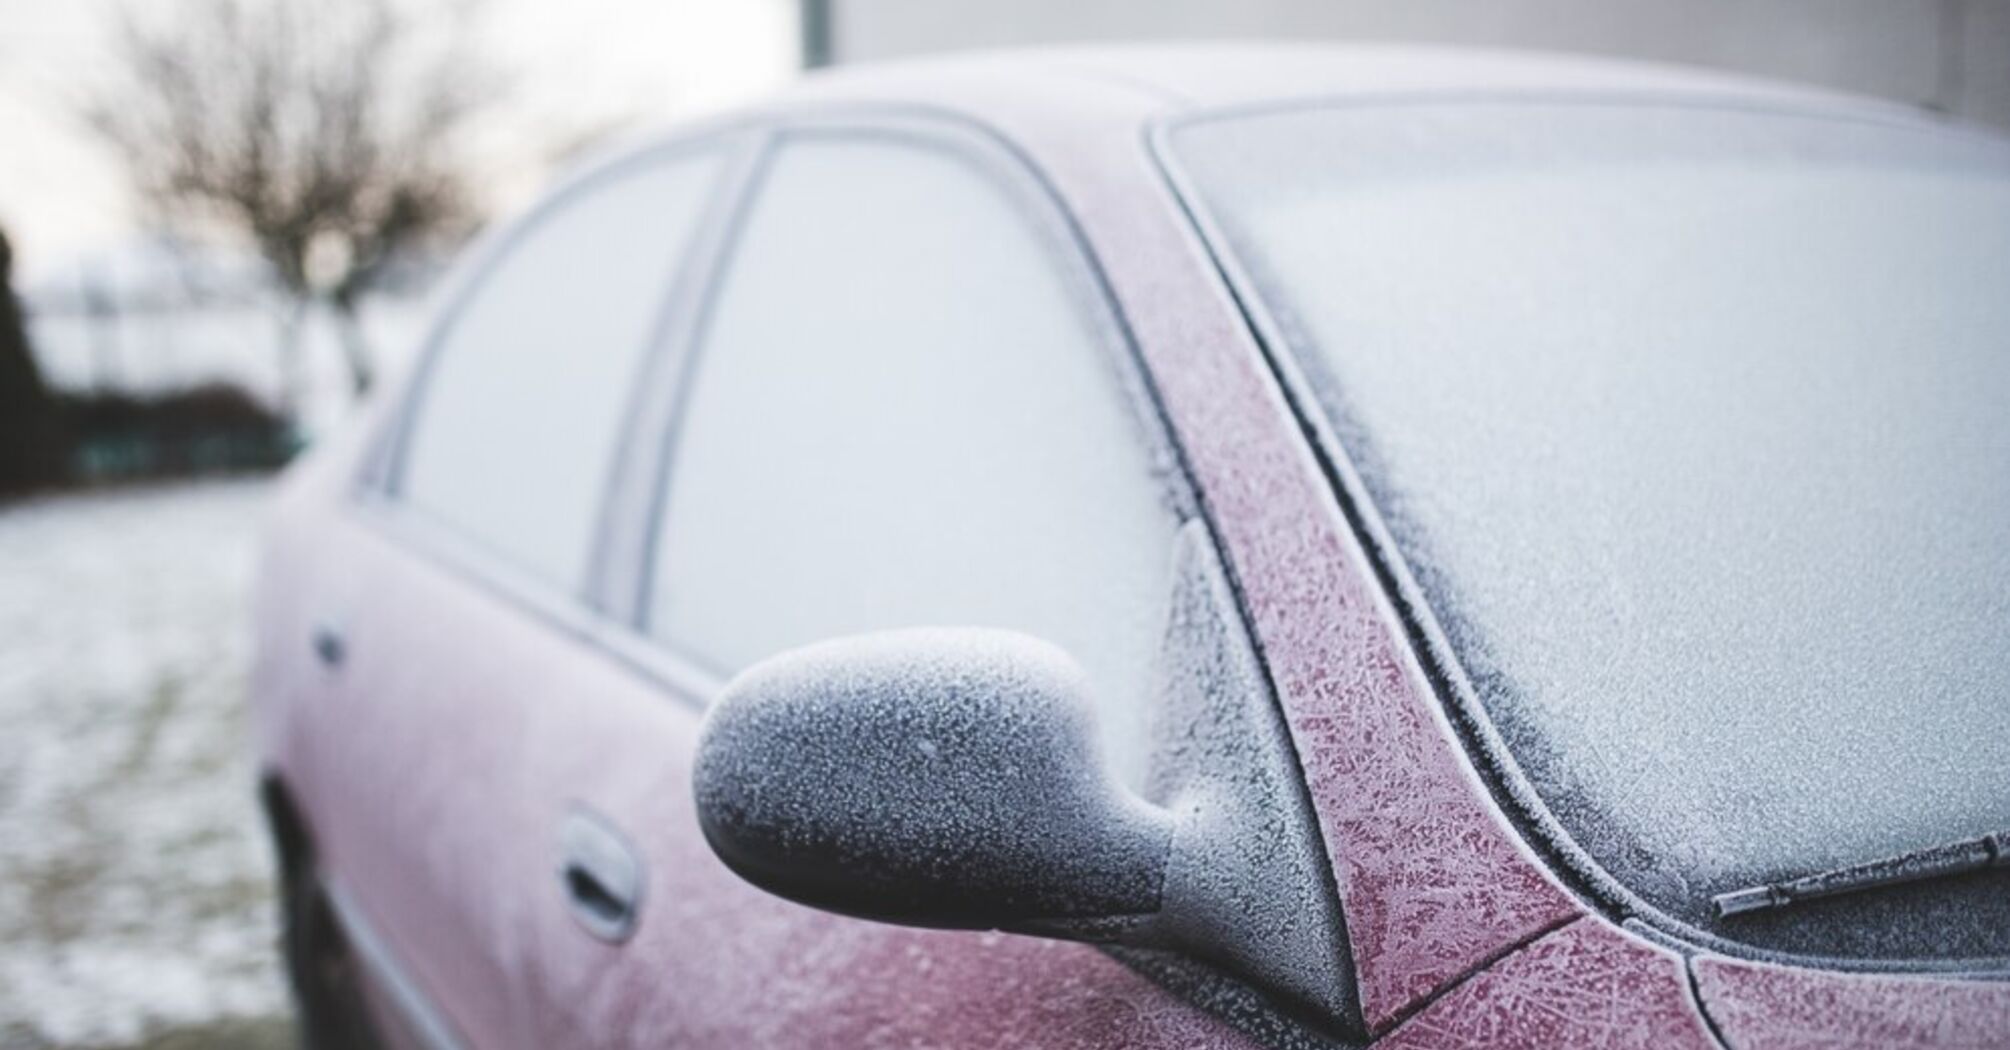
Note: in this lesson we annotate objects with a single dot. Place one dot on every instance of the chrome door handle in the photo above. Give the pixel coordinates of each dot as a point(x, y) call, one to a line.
point(601, 876)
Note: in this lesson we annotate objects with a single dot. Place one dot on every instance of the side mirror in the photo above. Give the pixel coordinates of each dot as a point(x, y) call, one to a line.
point(952, 778)
point(947, 778)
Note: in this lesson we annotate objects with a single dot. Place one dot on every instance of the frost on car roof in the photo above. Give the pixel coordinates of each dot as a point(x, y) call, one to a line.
point(1213, 75)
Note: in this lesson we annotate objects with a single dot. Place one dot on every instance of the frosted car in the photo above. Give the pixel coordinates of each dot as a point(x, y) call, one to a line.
point(1181, 547)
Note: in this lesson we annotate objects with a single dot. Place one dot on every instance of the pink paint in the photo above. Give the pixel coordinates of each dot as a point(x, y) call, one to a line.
point(716, 962)
point(1432, 880)
point(438, 766)
point(1757, 1005)
point(1588, 984)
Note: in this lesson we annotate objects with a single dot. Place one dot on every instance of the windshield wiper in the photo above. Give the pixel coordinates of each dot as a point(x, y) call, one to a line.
point(1955, 858)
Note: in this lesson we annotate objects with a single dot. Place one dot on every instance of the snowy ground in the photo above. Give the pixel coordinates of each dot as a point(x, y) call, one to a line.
point(135, 903)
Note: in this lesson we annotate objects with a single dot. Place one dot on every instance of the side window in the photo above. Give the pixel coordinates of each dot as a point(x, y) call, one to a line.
point(907, 410)
point(521, 411)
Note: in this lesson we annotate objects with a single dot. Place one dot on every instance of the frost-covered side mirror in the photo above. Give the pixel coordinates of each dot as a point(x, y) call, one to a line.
point(945, 777)
point(952, 778)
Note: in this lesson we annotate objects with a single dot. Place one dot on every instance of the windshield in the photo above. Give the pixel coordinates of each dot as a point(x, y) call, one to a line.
point(1693, 428)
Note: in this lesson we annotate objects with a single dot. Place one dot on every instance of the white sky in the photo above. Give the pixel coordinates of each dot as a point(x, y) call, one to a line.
point(578, 64)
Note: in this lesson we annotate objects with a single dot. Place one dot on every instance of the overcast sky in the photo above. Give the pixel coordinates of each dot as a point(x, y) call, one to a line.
point(579, 64)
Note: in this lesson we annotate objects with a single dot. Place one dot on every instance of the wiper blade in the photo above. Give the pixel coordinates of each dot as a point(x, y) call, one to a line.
point(1955, 858)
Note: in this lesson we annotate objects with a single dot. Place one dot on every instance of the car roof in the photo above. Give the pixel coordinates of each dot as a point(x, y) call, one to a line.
point(1185, 78)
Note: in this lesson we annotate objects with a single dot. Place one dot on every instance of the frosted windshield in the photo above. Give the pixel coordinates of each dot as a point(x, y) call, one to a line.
point(1694, 429)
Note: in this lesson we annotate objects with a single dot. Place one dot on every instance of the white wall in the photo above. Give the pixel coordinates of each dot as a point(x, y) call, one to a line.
point(1950, 54)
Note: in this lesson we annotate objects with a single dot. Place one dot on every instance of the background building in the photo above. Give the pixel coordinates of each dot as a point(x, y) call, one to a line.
point(1947, 55)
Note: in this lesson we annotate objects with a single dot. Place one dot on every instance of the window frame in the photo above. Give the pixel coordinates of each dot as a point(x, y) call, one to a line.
point(374, 498)
point(1046, 216)
point(608, 612)
point(662, 313)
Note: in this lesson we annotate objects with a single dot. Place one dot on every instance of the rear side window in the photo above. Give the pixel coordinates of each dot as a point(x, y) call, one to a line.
point(908, 410)
point(522, 409)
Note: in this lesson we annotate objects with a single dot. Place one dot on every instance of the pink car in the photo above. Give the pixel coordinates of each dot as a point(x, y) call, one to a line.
point(1179, 547)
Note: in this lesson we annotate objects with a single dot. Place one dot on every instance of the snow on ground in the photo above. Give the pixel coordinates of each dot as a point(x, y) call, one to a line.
point(134, 877)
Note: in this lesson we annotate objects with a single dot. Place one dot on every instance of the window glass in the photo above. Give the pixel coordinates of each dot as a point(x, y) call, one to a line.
point(904, 414)
point(522, 409)
point(1691, 425)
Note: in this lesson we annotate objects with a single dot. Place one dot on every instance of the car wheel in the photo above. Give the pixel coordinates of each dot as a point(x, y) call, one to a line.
point(327, 987)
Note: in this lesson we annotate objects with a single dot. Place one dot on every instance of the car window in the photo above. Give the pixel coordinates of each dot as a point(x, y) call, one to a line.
point(907, 410)
point(522, 407)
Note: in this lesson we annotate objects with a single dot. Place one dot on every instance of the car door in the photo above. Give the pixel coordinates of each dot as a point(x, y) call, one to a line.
point(906, 402)
point(459, 579)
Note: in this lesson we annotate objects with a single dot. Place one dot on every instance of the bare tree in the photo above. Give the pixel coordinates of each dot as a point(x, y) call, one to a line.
point(327, 134)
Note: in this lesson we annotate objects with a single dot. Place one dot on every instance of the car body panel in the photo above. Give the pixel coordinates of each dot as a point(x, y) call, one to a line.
point(1760, 1006)
point(1460, 934)
point(1189, 77)
point(770, 972)
point(1432, 882)
point(716, 962)
point(415, 807)
point(1587, 984)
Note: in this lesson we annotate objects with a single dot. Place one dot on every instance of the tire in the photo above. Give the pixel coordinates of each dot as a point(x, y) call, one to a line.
point(326, 980)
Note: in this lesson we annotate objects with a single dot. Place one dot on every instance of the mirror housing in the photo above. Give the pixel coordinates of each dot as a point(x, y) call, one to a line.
point(952, 778)
point(936, 777)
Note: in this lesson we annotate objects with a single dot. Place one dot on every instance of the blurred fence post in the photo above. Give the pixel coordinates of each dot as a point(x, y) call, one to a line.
point(101, 323)
point(816, 33)
point(292, 370)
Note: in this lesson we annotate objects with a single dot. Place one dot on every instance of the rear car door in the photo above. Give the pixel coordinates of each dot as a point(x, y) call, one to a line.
point(452, 587)
point(904, 402)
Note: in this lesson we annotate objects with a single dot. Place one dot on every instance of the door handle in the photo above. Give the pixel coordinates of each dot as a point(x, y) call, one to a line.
point(600, 875)
point(329, 646)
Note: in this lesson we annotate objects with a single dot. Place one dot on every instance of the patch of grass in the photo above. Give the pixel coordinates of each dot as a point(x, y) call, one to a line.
point(60, 892)
point(161, 703)
point(263, 1033)
point(232, 898)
